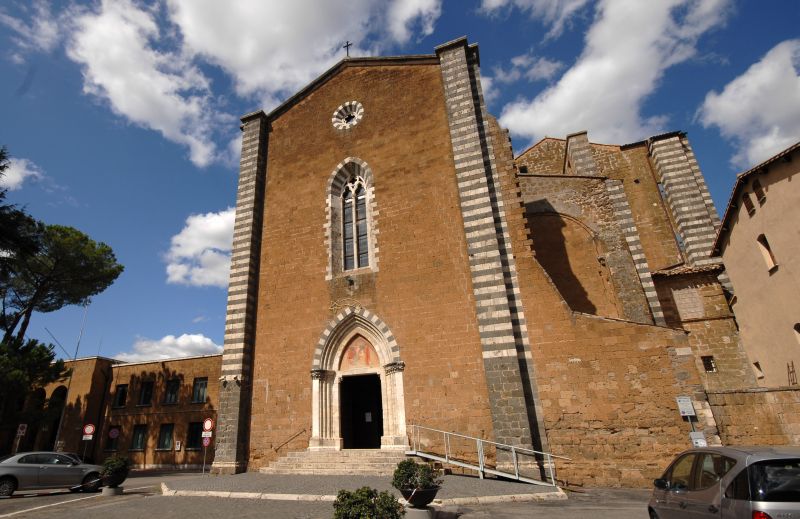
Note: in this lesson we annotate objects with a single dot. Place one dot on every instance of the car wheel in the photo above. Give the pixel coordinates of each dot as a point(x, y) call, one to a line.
point(91, 483)
point(7, 487)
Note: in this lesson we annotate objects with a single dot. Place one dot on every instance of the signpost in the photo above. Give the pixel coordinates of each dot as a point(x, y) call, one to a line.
point(686, 408)
point(88, 434)
point(208, 426)
point(21, 430)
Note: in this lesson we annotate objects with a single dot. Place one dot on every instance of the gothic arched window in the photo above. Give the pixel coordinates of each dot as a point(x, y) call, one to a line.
point(355, 238)
point(351, 226)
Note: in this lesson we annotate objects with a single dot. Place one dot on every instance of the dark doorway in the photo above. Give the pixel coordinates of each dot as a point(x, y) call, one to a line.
point(361, 412)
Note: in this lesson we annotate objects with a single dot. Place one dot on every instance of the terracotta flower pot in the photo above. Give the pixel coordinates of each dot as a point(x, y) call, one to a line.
point(419, 497)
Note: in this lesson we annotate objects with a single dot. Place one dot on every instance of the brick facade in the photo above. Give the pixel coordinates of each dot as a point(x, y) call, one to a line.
point(94, 398)
point(559, 300)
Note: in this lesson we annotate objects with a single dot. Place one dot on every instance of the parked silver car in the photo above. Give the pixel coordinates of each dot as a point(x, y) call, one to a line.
point(730, 483)
point(35, 470)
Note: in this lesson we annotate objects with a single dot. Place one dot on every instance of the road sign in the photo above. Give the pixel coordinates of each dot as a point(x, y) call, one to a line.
point(88, 429)
point(208, 424)
point(207, 434)
point(698, 439)
point(113, 433)
point(685, 406)
point(206, 442)
point(22, 429)
point(87, 436)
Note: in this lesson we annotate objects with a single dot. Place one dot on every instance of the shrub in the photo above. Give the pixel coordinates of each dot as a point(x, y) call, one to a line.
point(410, 474)
point(367, 503)
point(116, 464)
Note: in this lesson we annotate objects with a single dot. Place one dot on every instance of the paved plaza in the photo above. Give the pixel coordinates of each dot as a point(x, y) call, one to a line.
point(461, 497)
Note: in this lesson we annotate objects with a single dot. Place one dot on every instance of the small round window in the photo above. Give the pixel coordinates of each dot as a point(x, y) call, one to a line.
point(347, 115)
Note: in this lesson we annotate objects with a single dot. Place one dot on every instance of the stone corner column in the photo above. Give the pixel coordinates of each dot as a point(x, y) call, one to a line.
point(233, 414)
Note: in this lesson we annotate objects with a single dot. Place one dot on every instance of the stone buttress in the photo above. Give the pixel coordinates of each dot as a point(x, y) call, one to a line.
point(236, 380)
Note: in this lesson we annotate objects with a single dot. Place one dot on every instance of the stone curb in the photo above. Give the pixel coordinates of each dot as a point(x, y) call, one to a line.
point(556, 495)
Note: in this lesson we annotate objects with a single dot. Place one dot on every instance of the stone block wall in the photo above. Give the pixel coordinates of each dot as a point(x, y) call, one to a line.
point(607, 387)
point(760, 416)
point(423, 291)
point(587, 200)
point(695, 302)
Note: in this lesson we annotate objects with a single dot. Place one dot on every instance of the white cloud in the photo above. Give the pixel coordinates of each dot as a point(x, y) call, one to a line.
point(170, 347)
point(42, 33)
point(620, 66)
point(490, 90)
point(302, 38)
point(404, 14)
point(555, 13)
point(19, 170)
point(530, 67)
point(159, 90)
point(200, 254)
point(760, 109)
point(144, 59)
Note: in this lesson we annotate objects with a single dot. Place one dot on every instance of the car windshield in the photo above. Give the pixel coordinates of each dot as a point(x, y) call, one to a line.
point(775, 480)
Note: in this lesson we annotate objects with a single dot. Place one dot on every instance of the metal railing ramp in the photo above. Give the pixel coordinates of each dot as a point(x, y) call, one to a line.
point(483, 456)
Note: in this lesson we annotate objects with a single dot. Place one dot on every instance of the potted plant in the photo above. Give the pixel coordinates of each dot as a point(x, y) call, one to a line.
point(366, 502)
point(115, 470)
point(418, 482)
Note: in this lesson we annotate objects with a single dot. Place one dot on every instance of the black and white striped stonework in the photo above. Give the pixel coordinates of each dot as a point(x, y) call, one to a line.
point(624, 217)
point(687, 196)
point(237, 356)
point(501, 319)
point(579, 155)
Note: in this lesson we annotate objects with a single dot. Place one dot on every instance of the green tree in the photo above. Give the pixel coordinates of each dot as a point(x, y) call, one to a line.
point(66, 268)
point(15, 225)
point(26, 364)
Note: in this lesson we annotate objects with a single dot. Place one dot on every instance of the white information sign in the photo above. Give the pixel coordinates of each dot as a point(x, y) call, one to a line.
point(206, 434)
point(22, 429)
point(685, 406)
point(87, 436)
point(698, 439)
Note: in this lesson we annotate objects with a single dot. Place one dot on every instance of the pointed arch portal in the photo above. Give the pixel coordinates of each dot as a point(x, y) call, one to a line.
point(357, 385)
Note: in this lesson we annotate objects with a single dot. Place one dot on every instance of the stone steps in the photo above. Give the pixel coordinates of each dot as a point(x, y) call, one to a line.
point(368, 462)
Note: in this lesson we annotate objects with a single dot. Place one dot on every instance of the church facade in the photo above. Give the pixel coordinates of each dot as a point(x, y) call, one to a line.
point(394, 264)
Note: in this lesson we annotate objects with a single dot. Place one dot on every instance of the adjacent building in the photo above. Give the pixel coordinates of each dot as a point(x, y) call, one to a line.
point(151, 412)
point(759, 242)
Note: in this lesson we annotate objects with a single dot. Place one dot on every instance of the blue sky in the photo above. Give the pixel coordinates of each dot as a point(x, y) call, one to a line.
point(122, 116)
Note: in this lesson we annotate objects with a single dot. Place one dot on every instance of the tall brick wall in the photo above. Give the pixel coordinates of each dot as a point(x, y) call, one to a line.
point(423, 291)
point(607, 387)
point(758, 416)
point(588, 201)
point(695, 302)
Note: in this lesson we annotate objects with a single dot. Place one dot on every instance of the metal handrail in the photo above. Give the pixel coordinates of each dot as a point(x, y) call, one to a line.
point(548, 464)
